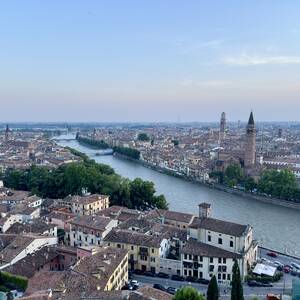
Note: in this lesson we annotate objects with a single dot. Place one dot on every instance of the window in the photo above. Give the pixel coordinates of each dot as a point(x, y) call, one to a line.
point(220, 260)
point(228, 276)
point(224, 276)
point(132, 248)
point(152, 259)
point(185, 272)
point(231, 243)
point(224, 260)
point(220, 241)
point(209, 238)
point(152, 250)
point(219, 276)
point(143, 257)
point(185, 256)
point(118, 245)
point(211, 268)
point(211, 259)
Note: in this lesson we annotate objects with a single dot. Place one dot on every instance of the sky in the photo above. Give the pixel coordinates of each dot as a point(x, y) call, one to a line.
point(158, 60)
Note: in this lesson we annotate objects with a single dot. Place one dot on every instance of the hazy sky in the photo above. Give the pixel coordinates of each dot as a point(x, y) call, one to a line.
point(155, 60)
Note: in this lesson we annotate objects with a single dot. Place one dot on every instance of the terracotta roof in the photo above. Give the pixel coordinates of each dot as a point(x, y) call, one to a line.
point(95, 222)
point(15, 247)
point(148, 292)
point(28, 266)
point(85, 199)
point(101, 265)
point(134, 238)
point(176, 216)
point(37, 226)
point(220, 226)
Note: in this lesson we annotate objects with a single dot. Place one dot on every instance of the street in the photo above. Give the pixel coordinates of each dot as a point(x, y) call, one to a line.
point(280, 287)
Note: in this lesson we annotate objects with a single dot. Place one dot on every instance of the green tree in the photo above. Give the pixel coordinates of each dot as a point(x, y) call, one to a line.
point(280, 184)
point(234, 173)
point(213, 289)
point(250, 184)
point(143, 137)
point(188, 293)
point(236, 283)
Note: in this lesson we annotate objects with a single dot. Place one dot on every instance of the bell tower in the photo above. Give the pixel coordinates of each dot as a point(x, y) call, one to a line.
point(250, 145)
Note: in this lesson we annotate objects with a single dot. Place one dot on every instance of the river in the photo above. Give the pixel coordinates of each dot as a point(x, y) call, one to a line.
point(275, 227)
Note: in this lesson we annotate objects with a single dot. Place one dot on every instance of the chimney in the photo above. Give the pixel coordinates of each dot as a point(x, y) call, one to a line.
point(204, 210)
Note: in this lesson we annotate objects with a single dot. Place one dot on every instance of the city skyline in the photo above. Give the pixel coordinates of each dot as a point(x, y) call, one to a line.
point(149, 62)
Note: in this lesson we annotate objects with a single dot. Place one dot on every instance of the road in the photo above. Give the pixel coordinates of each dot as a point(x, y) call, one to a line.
point(283, 286)
point(249, 292)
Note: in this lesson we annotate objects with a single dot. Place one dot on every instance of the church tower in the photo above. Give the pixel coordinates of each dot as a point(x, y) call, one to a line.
point(250, 145)
point(6, 133)
point(222, 129)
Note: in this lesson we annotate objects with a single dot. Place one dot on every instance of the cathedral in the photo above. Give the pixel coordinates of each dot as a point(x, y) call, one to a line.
point(245, 154)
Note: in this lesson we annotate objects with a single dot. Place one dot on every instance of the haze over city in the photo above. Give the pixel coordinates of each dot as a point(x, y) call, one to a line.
point(137, 61)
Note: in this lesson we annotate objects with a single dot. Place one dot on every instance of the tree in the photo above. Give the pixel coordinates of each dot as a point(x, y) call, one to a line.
point(236, 283)
point(143, 137)
point(233, 174)
point(213, 289)
point(280, 184)
point(188, 293)
point(250, 184)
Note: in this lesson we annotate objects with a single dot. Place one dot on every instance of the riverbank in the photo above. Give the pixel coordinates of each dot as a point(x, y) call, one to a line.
point(274, 201)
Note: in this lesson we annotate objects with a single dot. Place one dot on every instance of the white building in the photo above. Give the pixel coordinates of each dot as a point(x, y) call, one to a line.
point(232, 237)
point(90, 230)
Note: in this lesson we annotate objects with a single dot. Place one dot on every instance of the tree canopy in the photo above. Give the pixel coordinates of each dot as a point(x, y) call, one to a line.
point(237, 292)
point(188, 293)
point(213, 289)
point(98, 144)
point(74, 178)
point(143, 137)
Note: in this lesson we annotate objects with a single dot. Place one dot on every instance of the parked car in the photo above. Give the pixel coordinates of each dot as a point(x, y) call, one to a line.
point(294, 272)
point(163, 275)
point(203, 281)
point(267, 284)
point(278, 263)
point(149, 273)
point(138, 272)
point(296, 266)
point(171, 290)
point(159, 287)
point(177, 278)
point(134, 283)
point(287, 269)
point(191, 279)
point(254, 283)
point(272, 254)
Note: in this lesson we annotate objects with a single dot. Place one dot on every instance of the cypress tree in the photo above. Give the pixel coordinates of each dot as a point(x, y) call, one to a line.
point(236, 283)
point(213, 289)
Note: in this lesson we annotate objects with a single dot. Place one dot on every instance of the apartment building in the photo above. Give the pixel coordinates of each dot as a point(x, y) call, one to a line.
point(85, 205)
point(89, 230)
point(144, 250)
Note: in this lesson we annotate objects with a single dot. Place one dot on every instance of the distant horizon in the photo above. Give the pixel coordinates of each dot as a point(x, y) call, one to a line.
point(2, 123)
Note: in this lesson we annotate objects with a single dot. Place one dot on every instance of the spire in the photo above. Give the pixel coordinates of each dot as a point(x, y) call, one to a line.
point(251, 119)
